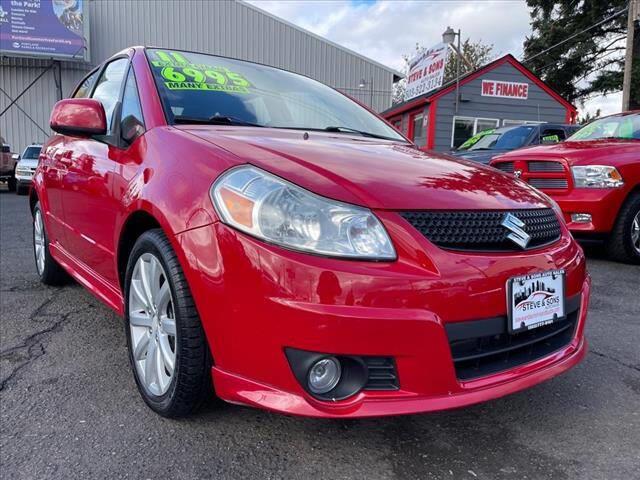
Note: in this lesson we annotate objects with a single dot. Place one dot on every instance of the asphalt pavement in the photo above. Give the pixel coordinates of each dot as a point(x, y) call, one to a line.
point(69, 407)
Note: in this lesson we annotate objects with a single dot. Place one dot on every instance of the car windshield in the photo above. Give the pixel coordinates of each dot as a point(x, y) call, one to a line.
point(473, 140)
point(506, 140)
point(31, 153)
point(624, 126)
point(199, 88)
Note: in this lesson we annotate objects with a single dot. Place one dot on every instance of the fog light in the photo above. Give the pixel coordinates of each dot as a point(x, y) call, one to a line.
point(324, 375)
point(581, 217)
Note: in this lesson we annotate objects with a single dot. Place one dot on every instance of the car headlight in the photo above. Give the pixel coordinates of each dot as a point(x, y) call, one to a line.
point(274, 210)
point(596, 176)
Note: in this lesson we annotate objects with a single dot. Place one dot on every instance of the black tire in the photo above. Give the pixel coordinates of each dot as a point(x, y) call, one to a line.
point(22, 189)
point(52, 273)
point(11, 183)
point(191, 383)
point(620, 245)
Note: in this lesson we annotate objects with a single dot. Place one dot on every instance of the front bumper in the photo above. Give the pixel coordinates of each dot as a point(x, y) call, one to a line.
point(602, 204)
point(23, 178)
point(255, 300)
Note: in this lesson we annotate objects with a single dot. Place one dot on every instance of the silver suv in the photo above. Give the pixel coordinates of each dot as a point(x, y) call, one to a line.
point(26, 168)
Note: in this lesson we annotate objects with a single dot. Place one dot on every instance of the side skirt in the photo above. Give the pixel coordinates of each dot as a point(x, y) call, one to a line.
point(89, 279)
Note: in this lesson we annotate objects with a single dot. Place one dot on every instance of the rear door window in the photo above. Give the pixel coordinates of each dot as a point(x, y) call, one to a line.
point(552, 135)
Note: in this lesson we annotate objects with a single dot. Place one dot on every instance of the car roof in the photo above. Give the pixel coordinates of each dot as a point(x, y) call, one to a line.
point(552, 125)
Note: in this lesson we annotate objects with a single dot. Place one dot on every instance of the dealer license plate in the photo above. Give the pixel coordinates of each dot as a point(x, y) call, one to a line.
point(535, 300)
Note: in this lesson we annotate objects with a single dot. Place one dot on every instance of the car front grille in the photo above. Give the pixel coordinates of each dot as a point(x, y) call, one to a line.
point(539, 166)
point(482, 230)
point(485, 347)
point(381, 374)
point(543, 174)
point(505, 166)
point(549, 183)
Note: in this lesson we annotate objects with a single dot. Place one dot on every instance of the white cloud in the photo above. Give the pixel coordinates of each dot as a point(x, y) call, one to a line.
point(607, 104)
point(386, 29)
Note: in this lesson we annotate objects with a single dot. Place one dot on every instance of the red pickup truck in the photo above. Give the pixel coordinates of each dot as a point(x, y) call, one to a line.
point(595, 178)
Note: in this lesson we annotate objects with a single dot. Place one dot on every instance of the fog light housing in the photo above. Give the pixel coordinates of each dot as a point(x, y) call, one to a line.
point(324, 375)
point(328, 376)
point(581, 217)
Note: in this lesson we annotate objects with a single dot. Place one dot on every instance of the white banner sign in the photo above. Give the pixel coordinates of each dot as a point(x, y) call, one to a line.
point(496, 88)
point(426, 71)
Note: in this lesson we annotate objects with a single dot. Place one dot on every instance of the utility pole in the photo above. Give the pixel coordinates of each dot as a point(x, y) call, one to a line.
point(631, 82)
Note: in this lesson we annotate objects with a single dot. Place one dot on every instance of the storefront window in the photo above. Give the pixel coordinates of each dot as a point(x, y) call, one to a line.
point(483, 124)
point(466, 127)
point(463, 128)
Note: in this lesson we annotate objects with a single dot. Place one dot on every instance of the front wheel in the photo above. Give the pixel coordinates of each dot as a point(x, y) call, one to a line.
point(11, 184)
point(624, 241)
point(22, 189)
point(167, 347)
point(49, 271)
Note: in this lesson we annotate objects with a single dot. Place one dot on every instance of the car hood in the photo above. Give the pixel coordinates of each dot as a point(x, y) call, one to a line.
point(481, 156)
point(374, 173)
point(578, 150)
point(28, 162)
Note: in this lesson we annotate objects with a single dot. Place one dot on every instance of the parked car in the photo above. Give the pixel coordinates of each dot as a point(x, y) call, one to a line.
point(263, 232)
point(7, 165)
point(595, 178)
point(505, 139)
point(26, 167)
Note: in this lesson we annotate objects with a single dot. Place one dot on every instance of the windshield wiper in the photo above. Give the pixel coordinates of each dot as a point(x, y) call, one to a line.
point(215, 120)
point(618, 138)
point(354, 130)
point(341, 130)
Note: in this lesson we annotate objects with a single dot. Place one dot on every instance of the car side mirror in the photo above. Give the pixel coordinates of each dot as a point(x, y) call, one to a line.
point(79, 117)
point(130, 128)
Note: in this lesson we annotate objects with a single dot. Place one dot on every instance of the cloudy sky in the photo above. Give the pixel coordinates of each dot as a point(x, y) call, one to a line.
point(385, 29)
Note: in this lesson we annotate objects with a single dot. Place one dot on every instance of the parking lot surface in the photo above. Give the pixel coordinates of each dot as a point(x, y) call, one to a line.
point(69, 406)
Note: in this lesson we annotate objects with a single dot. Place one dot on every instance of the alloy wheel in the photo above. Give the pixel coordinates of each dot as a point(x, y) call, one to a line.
point(152, 325)
point(635, 232)
point(39, 241)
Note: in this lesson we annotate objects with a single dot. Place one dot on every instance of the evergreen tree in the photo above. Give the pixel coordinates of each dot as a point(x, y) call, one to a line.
point(588, 65)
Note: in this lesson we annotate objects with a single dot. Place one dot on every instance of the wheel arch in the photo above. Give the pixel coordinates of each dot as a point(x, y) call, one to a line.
point(138, 222)
point(33, 199)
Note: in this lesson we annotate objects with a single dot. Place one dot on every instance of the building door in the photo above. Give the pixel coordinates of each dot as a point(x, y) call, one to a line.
point(418, 128)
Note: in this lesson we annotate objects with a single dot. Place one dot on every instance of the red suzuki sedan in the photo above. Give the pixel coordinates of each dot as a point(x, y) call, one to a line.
point(264, 235)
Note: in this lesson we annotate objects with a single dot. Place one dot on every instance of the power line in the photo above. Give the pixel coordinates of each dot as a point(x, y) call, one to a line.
point(571, 37)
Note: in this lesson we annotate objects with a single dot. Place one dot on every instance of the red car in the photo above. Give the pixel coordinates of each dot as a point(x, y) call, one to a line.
point(263, 234)
point(595, 178)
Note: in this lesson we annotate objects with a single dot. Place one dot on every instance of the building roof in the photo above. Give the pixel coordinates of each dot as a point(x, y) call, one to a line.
point(397, 76)
point(467, 77)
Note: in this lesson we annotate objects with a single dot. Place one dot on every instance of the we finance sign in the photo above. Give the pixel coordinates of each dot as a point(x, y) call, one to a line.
point(426, 71)
point(496, 88)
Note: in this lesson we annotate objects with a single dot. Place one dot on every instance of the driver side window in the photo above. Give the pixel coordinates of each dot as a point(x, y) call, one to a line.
point(131, 119)
point(108, 89)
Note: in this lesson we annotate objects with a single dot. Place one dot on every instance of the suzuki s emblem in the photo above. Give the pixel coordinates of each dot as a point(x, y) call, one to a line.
point(517, 173)
point(514, 225)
